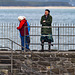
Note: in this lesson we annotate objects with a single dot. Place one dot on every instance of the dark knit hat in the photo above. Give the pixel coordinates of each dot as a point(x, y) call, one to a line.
point(47, 10)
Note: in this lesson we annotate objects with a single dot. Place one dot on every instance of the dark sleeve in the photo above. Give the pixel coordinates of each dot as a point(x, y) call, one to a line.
point(20, 26)
point(43, 23)
point(49, 21)
point(41, 20)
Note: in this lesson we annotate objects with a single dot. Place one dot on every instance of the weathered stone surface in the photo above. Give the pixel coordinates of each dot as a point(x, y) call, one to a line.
point(73, 60)
point(70, 70)
point(55, 63)
point(56, 70)
point(44, 63)
point(5, 72)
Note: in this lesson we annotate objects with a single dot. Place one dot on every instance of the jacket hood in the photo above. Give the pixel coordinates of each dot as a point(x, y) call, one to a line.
point(23, 20)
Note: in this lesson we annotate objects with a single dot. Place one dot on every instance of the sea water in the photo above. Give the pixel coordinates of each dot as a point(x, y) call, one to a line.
point(34, 15)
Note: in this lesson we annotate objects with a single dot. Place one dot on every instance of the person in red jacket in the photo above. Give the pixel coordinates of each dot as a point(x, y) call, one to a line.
point(23, 31)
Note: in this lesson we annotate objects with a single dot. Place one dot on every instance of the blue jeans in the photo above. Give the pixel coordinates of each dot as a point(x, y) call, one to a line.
point(25, 40)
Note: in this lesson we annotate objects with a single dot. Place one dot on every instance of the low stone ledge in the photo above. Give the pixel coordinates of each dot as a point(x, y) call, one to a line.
point(56, 70)
point(70, 70)
point(73, 60)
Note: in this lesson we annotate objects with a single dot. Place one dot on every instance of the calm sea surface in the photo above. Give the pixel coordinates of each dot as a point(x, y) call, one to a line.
point(34, 15)
point(62, 16)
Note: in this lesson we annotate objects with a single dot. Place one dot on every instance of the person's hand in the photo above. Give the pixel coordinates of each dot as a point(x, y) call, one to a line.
point(44, 21)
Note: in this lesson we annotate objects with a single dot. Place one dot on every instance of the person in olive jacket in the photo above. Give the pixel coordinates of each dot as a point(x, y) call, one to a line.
point(46, 20)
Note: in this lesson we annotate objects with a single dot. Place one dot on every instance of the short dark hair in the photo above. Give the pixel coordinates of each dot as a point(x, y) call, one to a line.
point(47, 10)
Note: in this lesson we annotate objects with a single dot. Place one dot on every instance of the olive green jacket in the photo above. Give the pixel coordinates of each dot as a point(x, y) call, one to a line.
point(48, 22)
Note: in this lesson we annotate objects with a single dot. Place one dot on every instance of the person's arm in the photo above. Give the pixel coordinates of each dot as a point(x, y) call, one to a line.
point(41, 20)
point(49, 21)
point(20, 26)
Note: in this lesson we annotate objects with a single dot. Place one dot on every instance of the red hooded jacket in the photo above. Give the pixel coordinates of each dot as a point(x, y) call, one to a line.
point(22, 27)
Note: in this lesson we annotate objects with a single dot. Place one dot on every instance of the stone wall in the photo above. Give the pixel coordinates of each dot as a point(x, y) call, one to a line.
point(45, 63)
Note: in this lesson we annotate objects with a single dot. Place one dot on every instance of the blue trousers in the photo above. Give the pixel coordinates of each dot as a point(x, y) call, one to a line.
point(25, 41)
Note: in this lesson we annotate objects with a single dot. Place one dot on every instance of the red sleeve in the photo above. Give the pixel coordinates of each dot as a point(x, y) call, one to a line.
point(20, 26)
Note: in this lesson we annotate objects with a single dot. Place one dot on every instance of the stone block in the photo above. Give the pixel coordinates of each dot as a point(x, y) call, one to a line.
point(73, 60)
point(56, 70)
